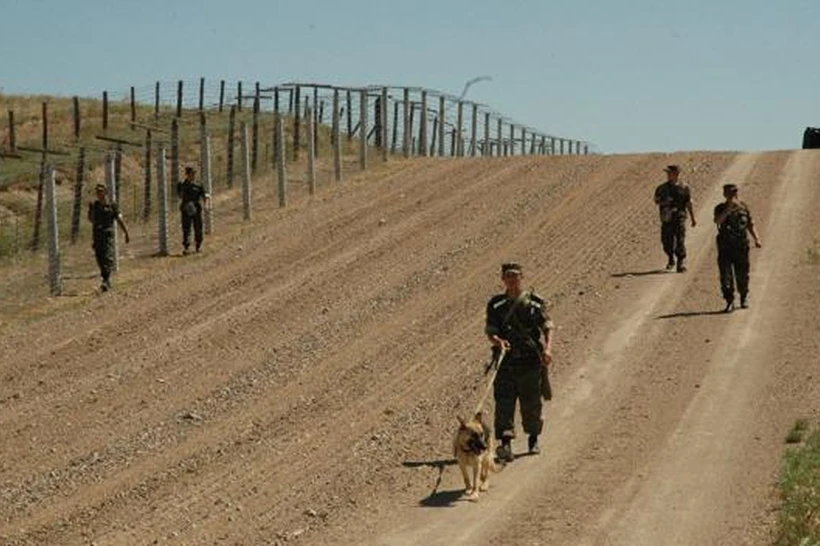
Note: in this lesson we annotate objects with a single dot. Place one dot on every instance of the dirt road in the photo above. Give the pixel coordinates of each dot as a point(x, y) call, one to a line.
point(299, 382)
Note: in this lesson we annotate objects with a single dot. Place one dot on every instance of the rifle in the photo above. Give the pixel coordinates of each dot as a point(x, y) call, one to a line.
point(512, 320)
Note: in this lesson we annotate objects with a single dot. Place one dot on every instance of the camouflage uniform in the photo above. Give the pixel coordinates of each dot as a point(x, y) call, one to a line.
point(103, 217)
point(733, 250)
point(519, 375)
point(191, 195)
point(673, 199)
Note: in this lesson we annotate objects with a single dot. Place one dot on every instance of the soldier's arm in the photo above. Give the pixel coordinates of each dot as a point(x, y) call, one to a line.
point(124, 228)
point(691, 210)
point(90, 212)
point(753, 232)
point(493, 328)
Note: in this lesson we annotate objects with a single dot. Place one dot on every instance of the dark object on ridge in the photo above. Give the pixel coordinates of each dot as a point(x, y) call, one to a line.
point(811, 138)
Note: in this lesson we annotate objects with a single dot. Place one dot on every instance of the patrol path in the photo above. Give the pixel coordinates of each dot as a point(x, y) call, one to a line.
point(299, 382)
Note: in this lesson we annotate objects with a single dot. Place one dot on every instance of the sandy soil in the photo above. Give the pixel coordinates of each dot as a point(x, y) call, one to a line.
point(298, 382)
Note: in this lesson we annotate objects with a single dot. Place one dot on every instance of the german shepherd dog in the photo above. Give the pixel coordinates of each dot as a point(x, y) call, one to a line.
point(473, 449)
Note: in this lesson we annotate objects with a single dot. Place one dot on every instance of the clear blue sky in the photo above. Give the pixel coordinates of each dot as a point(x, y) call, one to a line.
point(629, 75)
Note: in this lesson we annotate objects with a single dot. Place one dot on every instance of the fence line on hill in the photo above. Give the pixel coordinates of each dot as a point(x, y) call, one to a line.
point(274, 125)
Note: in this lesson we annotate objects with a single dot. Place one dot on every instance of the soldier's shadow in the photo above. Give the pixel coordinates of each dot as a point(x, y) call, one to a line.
point(640, 273)
point(692, 314)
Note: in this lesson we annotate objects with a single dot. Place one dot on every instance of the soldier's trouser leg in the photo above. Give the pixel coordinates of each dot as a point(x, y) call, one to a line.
point(197, 220)
point(725, 267)
point(680, 240)
point(505, 396)
point(741, 262)
point(186, 230)
point(528, 383)
point(668, 238)
point(104, 253)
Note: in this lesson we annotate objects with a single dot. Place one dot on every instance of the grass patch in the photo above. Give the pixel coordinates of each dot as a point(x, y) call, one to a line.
point(799, 518)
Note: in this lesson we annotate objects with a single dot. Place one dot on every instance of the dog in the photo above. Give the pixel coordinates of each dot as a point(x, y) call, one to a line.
point(473, 448)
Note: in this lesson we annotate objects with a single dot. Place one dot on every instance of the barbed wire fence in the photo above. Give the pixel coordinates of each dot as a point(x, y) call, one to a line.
point(299, 133)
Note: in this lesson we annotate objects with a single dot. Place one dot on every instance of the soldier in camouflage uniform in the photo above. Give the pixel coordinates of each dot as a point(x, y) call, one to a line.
point(734, 221)
point(192, 197)
point(515, 320)
point(674, 200)
point(103, 214)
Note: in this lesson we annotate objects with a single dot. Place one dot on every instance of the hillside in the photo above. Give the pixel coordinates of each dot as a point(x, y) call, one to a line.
point(298, 382)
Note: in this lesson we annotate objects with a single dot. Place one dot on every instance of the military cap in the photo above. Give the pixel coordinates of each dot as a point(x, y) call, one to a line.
point(729, 188)
point(511, 267)
point(100, 187)
point(672, 169)
point(190, 170)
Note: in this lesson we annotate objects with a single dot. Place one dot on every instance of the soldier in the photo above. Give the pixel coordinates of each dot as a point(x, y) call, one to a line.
point(674, 200)
point(733, 221)
point(515, 320)
point(103, 214)
point(191, 195)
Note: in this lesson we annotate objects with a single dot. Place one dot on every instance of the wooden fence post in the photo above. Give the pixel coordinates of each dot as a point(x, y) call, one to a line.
point(105, 111)
point(311, 145)
point(441, 123)
point(543, 145)
point(255, 129)
point(111, 184)
point(174, 154)
point(280, 152)
point(118, 168)
point(407, 136)
point(201, 94)
point(423, 125)
point(78, 196)
point(54, 277)
point(12, 132)
point(363, 130)
point(179, 98)
point(209, 186)
point(433, 139)
point(76, 101)
point(486, 150)
point(156, 100)
point(474, 132)
point(512, 140)
point(239, 95)
point(246, 173)
point(133, 109)
point(337, 138)
point(454, 142)
point(162, 203)
point(205, 165)
point(523, 141)
point(460, 126)
point(297, 118)
point(383, 112)
point(231, 146)
point(146, 196)
point(349, 113)
point(395, 139)
point(38, 211)
point(221, 95)
point(500, 138)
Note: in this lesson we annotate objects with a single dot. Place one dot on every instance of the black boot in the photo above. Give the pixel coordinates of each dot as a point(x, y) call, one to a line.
point(504, 451)
point(532, 444)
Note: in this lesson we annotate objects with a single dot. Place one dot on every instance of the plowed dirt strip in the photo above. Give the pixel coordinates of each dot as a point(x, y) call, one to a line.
point(304, 383)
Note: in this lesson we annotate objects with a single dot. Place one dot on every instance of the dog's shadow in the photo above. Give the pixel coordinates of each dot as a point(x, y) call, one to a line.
point(447, 498)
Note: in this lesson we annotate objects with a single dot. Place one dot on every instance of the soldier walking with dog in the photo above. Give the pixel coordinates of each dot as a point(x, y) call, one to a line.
point(516, 320)
point(674, 200)
point(192, 197)
point(734, 221)
point(103, 215)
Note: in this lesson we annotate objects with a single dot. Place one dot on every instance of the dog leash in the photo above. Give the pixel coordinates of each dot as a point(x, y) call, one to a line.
point(494, 366)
